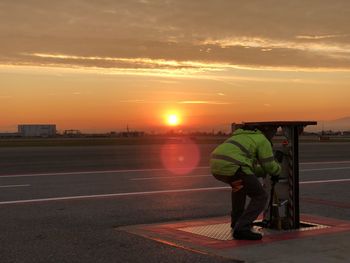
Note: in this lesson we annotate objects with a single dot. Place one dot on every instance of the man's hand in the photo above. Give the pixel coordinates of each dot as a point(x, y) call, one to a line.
point(279, 156)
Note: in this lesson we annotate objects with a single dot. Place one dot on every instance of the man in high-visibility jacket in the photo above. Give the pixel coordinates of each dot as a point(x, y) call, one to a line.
point(239, 161)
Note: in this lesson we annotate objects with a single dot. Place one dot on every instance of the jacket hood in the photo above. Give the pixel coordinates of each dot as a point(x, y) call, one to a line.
point(241, 131)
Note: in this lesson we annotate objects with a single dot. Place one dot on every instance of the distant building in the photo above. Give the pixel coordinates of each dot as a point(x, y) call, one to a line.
point(37, 130)
point(72, 133)
point(9, 135)
point(132, 134)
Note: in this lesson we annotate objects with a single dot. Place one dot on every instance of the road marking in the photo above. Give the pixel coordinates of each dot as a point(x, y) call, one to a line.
point(93, 172)
point(208, 175)
point(154, 169)
point(79, 197)
point(325, 181)
point(14, 185)
point(115, 195)
point(325, 169)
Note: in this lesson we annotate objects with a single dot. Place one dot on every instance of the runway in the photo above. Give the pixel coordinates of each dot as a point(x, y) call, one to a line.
point(61, 204)
point(19, 160)
point(117, 183)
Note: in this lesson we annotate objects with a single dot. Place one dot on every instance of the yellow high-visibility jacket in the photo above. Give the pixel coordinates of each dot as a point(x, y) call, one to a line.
point(249, 150)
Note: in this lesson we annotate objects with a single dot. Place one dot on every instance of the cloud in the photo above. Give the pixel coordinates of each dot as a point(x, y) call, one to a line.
point(315, 37)
point(133, 62)
point(174, 67)
point(270, 44)
point(178, 102)
point(133, 101)
point(203, 102)
point(142, 37)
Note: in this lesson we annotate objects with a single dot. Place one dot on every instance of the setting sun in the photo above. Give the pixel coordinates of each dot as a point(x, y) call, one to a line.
point(173, 119)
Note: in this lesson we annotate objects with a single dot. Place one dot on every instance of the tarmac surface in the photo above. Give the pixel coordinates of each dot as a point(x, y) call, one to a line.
point(66, 204)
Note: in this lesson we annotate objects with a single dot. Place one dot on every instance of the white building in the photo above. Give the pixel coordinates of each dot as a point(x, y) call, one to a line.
point(37, 130)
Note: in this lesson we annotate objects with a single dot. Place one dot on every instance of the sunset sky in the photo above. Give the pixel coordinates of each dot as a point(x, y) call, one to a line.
point(103, 65)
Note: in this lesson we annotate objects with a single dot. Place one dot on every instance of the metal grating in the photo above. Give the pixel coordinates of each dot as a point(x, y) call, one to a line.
point(224, 231)
point(310, 226)
point(217, 231)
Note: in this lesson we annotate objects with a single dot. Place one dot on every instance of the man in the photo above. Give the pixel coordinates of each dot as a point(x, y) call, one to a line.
point(246, 155)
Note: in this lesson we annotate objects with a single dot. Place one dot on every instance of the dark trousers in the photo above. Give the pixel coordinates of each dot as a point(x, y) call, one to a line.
point(245, 185)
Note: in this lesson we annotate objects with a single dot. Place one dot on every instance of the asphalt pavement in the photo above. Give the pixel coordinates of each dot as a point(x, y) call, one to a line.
point(62, 204)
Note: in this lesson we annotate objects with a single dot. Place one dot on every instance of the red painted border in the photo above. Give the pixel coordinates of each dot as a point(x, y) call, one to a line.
point(171, 231)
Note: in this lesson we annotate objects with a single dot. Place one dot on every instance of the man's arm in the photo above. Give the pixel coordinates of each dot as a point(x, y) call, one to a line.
point(266, 157)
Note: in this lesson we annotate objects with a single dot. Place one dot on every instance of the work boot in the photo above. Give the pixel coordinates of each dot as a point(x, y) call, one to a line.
point(246, 235)
point(264, 223)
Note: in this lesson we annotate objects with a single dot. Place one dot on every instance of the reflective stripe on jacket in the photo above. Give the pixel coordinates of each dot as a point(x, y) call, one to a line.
point(249, 150)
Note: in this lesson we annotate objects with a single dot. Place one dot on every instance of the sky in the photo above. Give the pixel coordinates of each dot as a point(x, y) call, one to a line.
point(104, 65)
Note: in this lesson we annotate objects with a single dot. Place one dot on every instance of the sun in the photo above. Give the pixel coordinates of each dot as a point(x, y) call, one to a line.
point(173, 119)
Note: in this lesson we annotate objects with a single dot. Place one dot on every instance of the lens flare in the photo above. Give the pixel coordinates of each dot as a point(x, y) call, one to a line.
point(180, 158)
